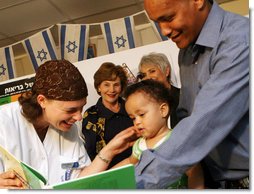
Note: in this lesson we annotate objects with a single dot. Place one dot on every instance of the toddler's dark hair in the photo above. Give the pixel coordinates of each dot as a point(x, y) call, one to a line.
point(152, 89)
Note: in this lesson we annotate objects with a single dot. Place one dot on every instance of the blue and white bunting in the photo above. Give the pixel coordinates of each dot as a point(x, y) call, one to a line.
point(157, 29)
point(40, 48)
point(73, 40)
point(7, 64)
point(119, 34)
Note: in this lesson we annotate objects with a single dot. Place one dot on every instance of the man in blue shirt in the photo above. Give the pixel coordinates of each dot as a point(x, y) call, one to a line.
point(214, 98)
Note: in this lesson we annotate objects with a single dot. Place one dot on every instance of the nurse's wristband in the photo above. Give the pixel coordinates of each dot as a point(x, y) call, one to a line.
point(102, 158)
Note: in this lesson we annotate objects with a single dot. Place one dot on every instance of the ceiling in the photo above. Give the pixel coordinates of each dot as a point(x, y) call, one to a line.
point(20, 19)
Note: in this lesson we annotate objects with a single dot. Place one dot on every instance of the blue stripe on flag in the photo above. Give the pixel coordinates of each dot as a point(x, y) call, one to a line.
point(31, 53)
point(9, 62)
point(82, 42)
point(109, 37)
point(159, 30)
point(62, 39)
point(129, 32)
point(49, 45)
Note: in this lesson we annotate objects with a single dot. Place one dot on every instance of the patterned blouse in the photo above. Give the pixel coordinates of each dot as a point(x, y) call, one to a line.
point(100, 125)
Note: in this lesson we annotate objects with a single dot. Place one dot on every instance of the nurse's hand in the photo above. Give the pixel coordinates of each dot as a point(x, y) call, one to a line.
point(120, 142)
point(8, 180)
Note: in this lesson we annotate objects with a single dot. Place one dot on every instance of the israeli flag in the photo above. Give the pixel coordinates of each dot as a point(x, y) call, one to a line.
point(119, 34)
point(157, 29)
point(7, 64)
point(73, 40)
point(40, 48)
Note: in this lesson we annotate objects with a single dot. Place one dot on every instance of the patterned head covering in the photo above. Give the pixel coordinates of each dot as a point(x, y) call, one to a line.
point(60, 80)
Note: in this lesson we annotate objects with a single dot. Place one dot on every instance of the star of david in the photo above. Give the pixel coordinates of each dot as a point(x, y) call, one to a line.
point(3, 70)
point(42, 55)
point(120, 41)
point(71, 46)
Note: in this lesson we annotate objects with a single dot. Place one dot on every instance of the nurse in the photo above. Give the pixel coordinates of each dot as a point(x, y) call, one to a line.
point(43, 128)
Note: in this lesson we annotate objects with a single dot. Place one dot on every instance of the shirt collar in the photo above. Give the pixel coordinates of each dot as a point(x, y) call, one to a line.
point(208, 37)
point(211, 30)
point(105, 112)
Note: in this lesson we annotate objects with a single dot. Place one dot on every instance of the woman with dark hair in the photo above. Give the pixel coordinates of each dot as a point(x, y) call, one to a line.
point(107, 117)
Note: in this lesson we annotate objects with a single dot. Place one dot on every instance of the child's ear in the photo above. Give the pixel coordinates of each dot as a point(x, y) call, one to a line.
point(164, 109)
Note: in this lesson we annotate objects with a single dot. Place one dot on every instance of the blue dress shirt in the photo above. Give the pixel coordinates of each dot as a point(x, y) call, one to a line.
point(214, 105)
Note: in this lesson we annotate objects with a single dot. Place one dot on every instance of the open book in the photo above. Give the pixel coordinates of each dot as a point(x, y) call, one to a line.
point(30, 178)
point(118, 178)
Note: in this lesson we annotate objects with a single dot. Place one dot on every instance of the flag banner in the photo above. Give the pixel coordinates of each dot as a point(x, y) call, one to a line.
point(7, 64)
point(157, 29)
point(119, 34)
point(40, 48)
point(73, 39)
